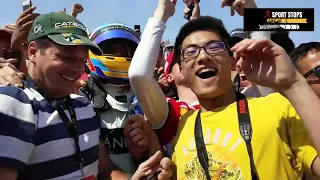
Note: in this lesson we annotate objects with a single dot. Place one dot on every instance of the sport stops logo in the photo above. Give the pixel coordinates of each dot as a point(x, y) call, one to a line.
point(279, 19)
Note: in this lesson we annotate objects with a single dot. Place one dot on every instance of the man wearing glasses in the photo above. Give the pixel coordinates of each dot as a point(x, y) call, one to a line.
point(306, 58)
point(232, 137)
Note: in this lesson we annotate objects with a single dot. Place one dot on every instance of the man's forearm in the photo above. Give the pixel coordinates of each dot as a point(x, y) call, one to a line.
point(147, 90)
point(117, 174)
point(113, 172)
point(74, 14)
point(8, 173)
point(307, 105)
point(154, 144)
point(107, 170)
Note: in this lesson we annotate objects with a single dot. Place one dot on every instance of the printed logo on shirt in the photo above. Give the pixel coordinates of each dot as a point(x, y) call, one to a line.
point(115, 141)
point(221, 164)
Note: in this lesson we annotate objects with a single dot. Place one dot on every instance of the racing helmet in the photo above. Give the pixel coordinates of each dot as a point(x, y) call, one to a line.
point(118, 43)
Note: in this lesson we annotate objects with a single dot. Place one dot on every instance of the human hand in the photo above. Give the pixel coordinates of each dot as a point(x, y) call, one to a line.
point(22, 28)
point(165, 9)
point(238, 6)
point(266, 63)
point(76, 9)
point(80, 84)
point(9, 28)
point(164, 84)
point(155, 164)
point(9, 75)
point(196, 10)
point(136, 131)
point(64, 10)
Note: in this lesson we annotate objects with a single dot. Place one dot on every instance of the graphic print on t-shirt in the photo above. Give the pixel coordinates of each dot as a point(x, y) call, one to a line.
point(219, 147)
point(114, 140)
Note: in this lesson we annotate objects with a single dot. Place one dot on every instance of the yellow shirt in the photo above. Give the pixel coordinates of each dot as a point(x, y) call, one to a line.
point(281, 145)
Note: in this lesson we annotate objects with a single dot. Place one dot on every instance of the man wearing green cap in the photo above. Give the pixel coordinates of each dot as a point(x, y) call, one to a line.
point(46, 132)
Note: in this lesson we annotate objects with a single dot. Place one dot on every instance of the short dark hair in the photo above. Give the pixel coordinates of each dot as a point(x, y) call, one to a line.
point(43, 43)
point(203, 23)
point(283, 40)
point(303, 49)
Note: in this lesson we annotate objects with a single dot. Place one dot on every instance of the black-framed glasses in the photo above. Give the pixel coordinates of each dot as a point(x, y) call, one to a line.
point(315, 71)
point(211, 48)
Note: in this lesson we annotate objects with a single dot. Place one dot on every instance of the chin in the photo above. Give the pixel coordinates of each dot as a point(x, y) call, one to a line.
point(208, 93)
point(66, 91)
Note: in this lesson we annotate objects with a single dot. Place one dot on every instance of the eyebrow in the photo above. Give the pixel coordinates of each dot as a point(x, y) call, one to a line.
point(62, 55)
point(196, 45)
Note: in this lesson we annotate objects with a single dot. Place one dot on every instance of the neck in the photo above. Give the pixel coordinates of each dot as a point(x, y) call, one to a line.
point(53, 93)
point(186, 94)
point(217, 102)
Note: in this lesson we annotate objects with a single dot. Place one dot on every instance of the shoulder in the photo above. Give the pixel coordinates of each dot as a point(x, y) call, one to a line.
point(11, 93)
point(80, 100)
point(274, 100)
point(186, 125)
point(279, 105)
point(16, 102)
point(181, 104)
point(17, 116)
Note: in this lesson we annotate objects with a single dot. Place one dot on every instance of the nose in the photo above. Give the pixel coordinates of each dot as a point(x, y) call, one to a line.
point(78, 67)
point(203, 56)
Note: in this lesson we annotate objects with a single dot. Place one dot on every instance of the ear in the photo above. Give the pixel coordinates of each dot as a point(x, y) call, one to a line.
point(32, 51)
point(182, 71)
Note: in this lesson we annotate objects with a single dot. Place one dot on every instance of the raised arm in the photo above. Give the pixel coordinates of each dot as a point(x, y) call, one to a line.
point(263, 91)
point(76, 9)
point(238, 6)
point(147, 90)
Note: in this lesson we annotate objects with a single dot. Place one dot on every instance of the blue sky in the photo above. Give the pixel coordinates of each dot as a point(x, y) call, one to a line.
point(133, 12)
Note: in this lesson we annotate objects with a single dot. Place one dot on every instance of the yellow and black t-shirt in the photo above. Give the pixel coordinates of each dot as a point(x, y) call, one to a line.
point(281, 145)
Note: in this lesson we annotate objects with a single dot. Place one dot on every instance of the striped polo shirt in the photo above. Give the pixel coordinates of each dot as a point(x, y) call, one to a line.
point(35, 141)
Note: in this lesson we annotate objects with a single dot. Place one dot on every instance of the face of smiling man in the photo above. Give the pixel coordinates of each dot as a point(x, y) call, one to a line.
point(57, 68)
point(206, 64)
point(58, 48)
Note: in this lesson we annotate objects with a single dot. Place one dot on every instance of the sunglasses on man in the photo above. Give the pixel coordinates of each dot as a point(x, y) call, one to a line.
point(315, 71)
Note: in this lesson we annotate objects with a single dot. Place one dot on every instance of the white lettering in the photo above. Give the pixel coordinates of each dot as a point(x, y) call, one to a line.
point(236, 144)
point(192, 144)
point(115, 141)
point(226, 139)
point(185, 150)
point(70, 25)
point(107, 142)
point(279, 14)
point(216, 136)
point(295, 15)
point(207, 139)
point(268, 26)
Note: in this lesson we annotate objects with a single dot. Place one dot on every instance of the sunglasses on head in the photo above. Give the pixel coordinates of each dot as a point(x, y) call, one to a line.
point(315, 71)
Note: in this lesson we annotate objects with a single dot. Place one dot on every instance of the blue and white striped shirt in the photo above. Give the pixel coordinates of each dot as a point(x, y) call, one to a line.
point(35, 141)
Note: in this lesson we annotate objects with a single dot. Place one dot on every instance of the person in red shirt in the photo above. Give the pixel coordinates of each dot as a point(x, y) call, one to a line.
point(185, 99)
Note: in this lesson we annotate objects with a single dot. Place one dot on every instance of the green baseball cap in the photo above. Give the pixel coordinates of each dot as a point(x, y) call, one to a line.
point(63, 29)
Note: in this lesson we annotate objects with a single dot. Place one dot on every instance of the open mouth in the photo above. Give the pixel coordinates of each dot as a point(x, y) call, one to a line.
point(243, 78)
point(68, 78)
point(207, 73)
